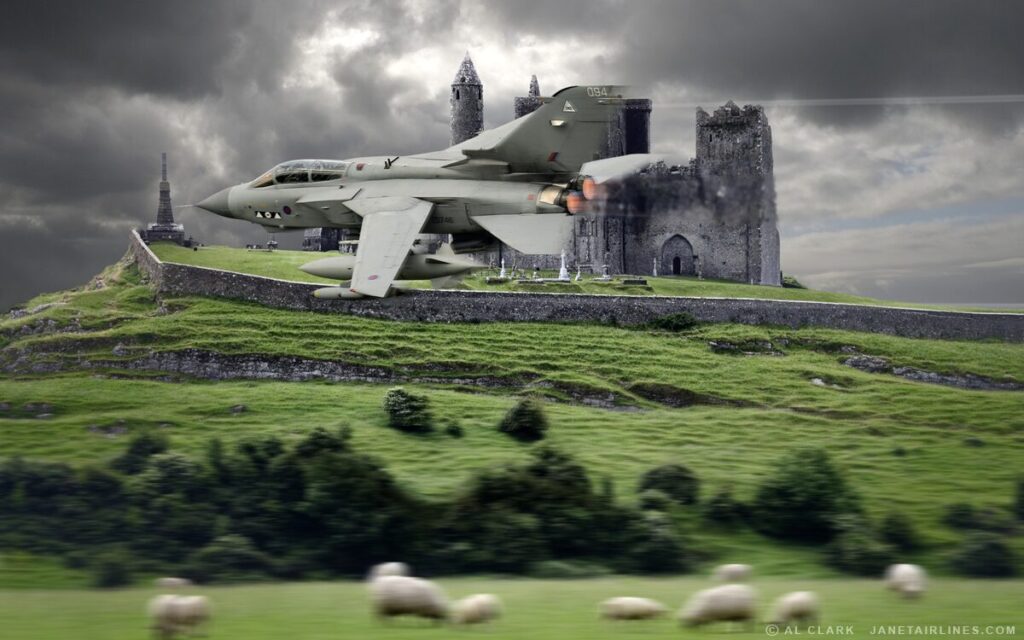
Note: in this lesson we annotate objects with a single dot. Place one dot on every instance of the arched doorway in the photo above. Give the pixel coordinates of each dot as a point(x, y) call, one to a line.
point(677, 257)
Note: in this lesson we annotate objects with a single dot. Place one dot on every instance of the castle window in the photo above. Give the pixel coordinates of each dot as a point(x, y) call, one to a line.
point(456, 94)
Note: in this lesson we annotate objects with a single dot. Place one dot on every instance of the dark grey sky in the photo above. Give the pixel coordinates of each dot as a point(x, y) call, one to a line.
point(919, 202)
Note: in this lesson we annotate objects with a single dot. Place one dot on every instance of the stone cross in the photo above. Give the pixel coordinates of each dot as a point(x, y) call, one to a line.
point(563, 273)
point(501, 274)
point(655, 272)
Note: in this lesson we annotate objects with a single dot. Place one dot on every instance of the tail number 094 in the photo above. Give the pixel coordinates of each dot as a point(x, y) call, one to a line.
point(597, 92)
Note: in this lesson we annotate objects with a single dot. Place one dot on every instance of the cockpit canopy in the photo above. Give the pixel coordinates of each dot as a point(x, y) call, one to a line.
point(296, 171)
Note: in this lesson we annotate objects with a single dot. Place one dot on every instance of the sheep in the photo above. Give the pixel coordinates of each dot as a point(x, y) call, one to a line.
point(476, 609)
point(388, 569)
point(172, 583)
point(909, 580)
point(727, 603)
point(730, 573)
point(171, 614)
point(798, 606)
point(405, 595)
point(630, 608)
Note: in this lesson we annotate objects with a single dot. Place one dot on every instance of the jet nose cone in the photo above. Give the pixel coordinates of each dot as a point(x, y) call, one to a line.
point(217, 203)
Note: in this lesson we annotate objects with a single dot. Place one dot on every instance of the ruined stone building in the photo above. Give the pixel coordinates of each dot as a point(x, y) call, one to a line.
point(713, 218)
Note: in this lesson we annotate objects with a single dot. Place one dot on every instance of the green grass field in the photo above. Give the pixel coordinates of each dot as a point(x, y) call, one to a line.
point(548, 609)
point(285, 265)
point(907, 446)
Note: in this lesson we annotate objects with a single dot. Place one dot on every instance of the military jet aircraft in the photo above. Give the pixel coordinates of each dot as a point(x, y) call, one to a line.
point(518, 183)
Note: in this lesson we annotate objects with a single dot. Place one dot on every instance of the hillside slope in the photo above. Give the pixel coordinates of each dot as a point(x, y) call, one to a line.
point(726, 400)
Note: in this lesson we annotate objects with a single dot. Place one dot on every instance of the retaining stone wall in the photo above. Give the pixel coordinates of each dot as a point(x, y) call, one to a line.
point(483, 306)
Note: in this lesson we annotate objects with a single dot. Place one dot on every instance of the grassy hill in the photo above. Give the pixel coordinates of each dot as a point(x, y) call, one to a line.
point(613, 397)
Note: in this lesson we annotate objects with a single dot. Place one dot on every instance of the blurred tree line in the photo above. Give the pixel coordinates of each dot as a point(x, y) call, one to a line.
point(260, 509)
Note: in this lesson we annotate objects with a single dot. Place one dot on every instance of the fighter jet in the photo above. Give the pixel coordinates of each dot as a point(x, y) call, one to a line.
point(519, 183)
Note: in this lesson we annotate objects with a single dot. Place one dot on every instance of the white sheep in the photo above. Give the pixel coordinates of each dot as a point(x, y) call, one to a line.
point(727, 603)
point(801, 607)
point(730, 573)
point(172, 614)
point(631, 608)
point(476, 609)
point(909, 580)
point(389, 569)
point(172, 583)
point(404, 595)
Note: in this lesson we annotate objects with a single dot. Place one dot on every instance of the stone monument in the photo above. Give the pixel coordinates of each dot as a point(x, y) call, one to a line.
point(165, 229)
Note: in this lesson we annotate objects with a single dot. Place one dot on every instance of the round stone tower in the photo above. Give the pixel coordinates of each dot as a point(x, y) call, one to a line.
point(467, 101)
point(522, 106)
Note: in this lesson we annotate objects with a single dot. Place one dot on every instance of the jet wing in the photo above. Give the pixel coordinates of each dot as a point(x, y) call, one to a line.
point(532, 233)
point(390, 226)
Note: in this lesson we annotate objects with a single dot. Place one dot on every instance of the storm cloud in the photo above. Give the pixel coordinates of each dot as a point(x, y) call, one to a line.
point(91, 93)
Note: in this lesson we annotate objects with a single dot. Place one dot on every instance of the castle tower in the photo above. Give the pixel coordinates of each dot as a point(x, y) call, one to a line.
point(529, 103)
point(164, 229)
point(467, 102)
point(636, 122)
point(734, 141)
point(734, 149)
point(630, 129)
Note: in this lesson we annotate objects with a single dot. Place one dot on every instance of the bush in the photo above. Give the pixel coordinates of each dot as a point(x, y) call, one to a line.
point(803, 498)
point(959, 515)
point(567, 569)
point(674, 480)
point(984, 555)
point(790, 282)
point(525, 421)
point(454, 430)
point(654, 500)
point(675, 322)
point(141, 447)
point(111, 569)
point(229, 558)
point(655, 547)
point(723, 509)
point(407, 411)
point(319, 440)
point(899, 531)
point(856, 549)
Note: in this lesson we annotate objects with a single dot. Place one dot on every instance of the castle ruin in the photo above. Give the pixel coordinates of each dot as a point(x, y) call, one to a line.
point(713, 218)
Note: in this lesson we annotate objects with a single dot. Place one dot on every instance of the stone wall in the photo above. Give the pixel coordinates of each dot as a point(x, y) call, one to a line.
point(483, 306)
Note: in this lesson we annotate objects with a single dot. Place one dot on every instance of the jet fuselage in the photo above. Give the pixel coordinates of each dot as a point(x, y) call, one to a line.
point(456, 199)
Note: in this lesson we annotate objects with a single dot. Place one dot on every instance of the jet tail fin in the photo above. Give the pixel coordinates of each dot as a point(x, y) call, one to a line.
point(570, 128)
